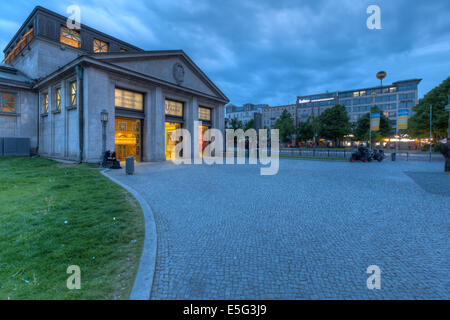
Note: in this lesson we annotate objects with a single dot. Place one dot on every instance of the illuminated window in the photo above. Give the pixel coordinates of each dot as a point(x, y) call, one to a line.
point(7, 102)
point(129, 99)
point(73, 93)
point(100, 46)
point(26, 38)
point(392, 89)
point(170, 127)
point(123, 50)
point(45, 103)
point(356, 94)
point(58, 99)
point(174, 108)
point(70, 37)
point(204, 114)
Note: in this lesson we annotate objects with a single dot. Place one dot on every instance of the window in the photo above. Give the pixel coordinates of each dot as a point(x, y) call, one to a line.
point(356, 94)
point(58, 99)
point(129, 99)
point(26, 38)
point(174, 108)
point(7, 102)
point(204, 114)
point(100, 46)
point(73, 93)
point(123, 50)
point(70, 37)
point(45, 103)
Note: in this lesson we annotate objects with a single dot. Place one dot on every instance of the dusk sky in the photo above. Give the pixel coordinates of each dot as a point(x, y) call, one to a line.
point(272, 51)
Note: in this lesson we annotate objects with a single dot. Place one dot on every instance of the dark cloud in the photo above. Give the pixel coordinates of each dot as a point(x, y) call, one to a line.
point(271, 51)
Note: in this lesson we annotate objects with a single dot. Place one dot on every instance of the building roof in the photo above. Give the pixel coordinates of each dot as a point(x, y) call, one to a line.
point(39, 9)
point(12, 77)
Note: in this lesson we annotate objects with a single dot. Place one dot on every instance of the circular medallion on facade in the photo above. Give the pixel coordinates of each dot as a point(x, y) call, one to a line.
point(178, 73)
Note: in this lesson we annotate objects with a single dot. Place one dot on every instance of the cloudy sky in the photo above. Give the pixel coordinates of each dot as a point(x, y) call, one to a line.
point(271, 51)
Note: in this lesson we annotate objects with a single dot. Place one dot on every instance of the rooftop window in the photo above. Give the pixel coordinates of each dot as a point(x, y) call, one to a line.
point(100, 46)
point(70, 37)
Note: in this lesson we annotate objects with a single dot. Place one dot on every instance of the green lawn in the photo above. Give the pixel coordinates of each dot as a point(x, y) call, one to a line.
point(54, 215)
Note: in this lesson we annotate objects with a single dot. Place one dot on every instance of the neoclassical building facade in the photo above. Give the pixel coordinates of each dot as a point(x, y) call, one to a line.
point(78, 92)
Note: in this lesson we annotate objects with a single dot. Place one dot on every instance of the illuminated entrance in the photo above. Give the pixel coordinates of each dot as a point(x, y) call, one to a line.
point(202, 140)
point(170, 145)
point(128, 138)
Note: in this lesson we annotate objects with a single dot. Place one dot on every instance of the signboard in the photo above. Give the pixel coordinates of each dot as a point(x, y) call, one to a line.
point(174, 108)
point(402, 119)
point(204, 114)
point(381, 75)
point(375, 121)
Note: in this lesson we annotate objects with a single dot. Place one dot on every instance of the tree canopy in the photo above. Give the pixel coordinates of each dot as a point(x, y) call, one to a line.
point(286, 126)
point(419, 123)
point(235, 124)
point(334, 124)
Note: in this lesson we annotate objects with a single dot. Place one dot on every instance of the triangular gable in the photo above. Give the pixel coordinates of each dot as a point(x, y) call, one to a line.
point(171, 66)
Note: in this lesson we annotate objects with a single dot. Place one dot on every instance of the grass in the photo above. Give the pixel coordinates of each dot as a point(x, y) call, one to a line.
point(54, 215)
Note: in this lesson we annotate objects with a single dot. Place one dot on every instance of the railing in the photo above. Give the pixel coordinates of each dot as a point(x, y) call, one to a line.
point(345, 154)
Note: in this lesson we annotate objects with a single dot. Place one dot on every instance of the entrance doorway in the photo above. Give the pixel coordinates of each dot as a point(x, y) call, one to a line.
point(170, 145)
point(128, 138)
point(202, 140)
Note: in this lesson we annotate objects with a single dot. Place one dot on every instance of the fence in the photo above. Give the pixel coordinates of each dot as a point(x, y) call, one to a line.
point(345, 154)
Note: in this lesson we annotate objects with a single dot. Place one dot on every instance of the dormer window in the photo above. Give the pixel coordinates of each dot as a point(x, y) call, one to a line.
point(100, 46)
point(70, 37)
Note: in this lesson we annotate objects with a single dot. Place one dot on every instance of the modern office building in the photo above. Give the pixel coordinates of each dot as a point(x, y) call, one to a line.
point(76, 93)
point(272, 113)
point(243, 113)
point(389, 98)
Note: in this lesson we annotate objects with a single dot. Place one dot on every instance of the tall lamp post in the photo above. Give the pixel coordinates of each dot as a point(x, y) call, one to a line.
point(104, 119)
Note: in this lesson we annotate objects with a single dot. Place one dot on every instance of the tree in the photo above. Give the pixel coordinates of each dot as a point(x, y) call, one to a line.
point(334, 124)
point(249, 125)
point(286, 126)
point(305, 130)
point(235, 124)
point(419, 123)
point(362, 128)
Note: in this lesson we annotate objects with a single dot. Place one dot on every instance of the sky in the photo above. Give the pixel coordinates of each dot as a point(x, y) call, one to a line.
point(259, 51)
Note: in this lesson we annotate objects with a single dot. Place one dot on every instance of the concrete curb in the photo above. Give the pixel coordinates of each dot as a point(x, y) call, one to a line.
point(144, 278)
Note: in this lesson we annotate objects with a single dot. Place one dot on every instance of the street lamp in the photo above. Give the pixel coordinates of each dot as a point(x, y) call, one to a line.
point(104, 120)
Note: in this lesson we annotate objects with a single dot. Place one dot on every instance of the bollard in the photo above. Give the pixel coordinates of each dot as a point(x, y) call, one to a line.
point(393, 154)
point(129, 165)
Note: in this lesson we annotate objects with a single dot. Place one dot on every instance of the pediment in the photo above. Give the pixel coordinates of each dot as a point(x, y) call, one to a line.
point(173, 67)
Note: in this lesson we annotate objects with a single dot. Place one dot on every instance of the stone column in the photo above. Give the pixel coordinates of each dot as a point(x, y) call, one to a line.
point(190, 118)
point(154, 126)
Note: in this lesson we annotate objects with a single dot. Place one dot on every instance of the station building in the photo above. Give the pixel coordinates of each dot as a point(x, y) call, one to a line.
point(76, 93)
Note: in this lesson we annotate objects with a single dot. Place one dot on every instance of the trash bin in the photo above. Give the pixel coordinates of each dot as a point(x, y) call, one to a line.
point(393, 155)
point(129, 165)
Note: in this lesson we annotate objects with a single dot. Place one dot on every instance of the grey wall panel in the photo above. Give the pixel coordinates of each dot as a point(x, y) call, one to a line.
point(1, 147)
point(16, 147)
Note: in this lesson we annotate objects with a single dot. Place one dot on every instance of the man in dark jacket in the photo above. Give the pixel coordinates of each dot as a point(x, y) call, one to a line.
point(446, 152)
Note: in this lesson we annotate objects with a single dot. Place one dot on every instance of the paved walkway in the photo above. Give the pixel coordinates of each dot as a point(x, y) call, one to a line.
point(310, 232)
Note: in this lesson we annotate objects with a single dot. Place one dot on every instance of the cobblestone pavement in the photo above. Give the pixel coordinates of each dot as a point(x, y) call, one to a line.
point(310, 232)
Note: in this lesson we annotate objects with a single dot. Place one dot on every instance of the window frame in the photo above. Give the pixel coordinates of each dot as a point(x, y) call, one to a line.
point(58, 99)
point(100, 42)
point(45, 103)
point(73, 97)
point(15, 95)
point(74, 38)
